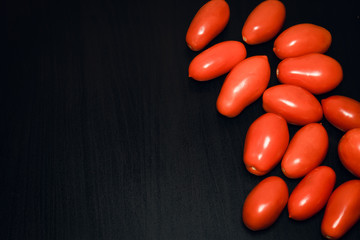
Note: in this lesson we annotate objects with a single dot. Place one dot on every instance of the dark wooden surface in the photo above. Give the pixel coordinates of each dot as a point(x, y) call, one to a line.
point(103, 135)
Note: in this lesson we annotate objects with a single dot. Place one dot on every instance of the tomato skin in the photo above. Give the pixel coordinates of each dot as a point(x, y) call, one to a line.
point(312, 193)
point(208, 22)
point(264, 203)
point(297, 105)
point(307, 149)
point(265, 143)
point(315, 72)
point(264, 22)
point(302, 39)
point(342, 210)
point(216, 60)
point(342, 112)
point(349, 151)
point(245, 83)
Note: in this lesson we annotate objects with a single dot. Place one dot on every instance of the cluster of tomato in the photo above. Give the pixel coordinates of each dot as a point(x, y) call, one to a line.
point(303, 72)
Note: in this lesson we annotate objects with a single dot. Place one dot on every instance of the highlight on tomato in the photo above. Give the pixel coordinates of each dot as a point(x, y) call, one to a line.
point(264, 22)
point(315, 72)
point(296, 104)
point(264, 203)
point(342, 211)
point(243, 85)
point(302, 39)
point(312, 193)
point(307, 150)
point(208, 22)
point(216, 60)
point(265, 143)
point(342, 112)
point(349, 151)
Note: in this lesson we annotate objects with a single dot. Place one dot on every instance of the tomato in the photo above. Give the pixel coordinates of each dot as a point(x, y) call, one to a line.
point(315, 72)
point(243, 85)
point(301, 39)
point(349, 151)
point(265, 143)
point(342, 112)
point(216, 60)
point(264, 22)
point(342, 210)
point(306, 150)
point(265, 203)
point(297, 105)
point(209, 21)
point(312, 193)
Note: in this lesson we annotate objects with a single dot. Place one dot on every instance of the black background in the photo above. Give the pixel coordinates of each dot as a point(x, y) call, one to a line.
point(103, 135)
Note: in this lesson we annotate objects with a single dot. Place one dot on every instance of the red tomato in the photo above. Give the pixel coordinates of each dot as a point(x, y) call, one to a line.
point(315, 72)
point(306, 150)
point(265, 143)
point(264, 22)
point(297, 105)
point(208, 22)
point(265, 203)
point(349, 151)
point(342, 112)
point(302, 39)
point(312, 193)
point(216, 60)
point(342, 210)
point(243, 85)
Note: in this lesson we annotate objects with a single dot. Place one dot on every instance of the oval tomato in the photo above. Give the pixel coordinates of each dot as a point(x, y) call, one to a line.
point(297, 105)
point(216, 60)
point(265, 203)
point(208, 22)
point(342, 210)
point(315, 72)
point(349, 151)
point(243, 85)
point(265, 143)
point(306, 150)
point(342, 112)
point(312, 193)
point(264, 22)
point(302, 39)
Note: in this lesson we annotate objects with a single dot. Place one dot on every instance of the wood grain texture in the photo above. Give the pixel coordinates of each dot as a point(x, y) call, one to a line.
point(103, 135)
